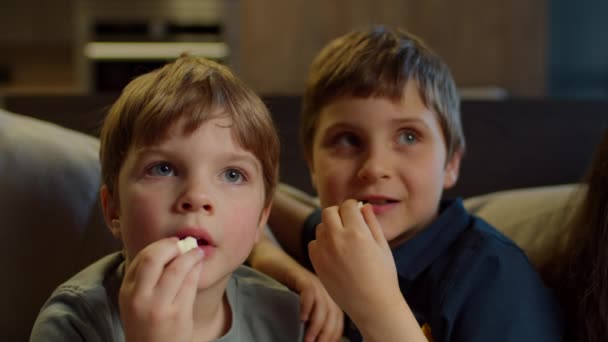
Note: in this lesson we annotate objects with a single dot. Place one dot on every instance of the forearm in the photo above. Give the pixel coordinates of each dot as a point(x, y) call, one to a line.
point(395, 322)
point(286, 219)
point(270, 259)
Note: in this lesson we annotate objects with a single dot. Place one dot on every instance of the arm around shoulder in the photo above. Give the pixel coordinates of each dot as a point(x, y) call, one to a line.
point(290, 209)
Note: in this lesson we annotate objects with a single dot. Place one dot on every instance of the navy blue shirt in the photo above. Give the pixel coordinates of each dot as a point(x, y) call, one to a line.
point(468, 282)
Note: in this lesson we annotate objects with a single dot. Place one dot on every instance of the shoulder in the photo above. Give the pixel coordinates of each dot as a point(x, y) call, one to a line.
point(490, 285)
point(93, 282)
point(260, 287)
point(266, 310)
point(483, 254)
point(84, 306)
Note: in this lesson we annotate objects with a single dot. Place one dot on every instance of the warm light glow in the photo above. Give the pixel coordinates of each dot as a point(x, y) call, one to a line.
point(153, 50)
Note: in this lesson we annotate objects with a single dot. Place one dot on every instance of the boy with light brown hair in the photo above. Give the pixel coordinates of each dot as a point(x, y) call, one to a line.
point(187, 151)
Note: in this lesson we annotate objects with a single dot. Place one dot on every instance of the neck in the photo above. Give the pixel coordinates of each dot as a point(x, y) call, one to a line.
point(212, 313)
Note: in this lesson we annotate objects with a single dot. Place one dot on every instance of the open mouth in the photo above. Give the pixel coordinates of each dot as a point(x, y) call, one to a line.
point(202, 242)
point(379, 201)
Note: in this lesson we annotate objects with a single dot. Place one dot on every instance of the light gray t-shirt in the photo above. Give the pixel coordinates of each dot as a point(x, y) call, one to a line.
point(85, 308)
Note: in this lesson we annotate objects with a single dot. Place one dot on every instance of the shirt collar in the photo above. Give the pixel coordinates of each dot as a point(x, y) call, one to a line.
point(418, 253)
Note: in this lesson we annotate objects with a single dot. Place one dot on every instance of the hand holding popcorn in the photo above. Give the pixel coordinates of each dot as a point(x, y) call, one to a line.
point(157, 294)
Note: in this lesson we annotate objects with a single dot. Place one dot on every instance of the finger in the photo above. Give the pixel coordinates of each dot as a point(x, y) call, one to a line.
point(328, 331)
point(334, 323)
point(314, 252)
point(320, 231)
point(330, 216)
point(174, 275)
point(339, 331)
point(306, 304)
point(374, 225)
point(148, 265)
point(187, 294)
point(316, 321)
point(335, 329)
point(350, 213)
point(156, 249)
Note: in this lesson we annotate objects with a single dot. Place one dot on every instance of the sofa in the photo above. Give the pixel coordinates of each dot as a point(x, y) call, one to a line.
point(51, 218)
point(52, 224)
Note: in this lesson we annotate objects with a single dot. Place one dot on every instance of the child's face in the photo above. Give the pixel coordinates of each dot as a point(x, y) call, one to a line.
point(203, 185)
point(392, 155)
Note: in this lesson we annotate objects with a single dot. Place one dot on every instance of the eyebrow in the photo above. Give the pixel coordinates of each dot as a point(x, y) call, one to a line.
point(246, 157)
point(395, 122)
point(402, 121)
point(230, 157)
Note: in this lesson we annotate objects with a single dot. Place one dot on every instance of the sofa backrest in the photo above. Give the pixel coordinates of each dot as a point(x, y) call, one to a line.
point(51, 220)
point(537, 219)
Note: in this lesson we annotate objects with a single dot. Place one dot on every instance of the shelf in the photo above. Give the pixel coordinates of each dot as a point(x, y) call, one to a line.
point(140, 51)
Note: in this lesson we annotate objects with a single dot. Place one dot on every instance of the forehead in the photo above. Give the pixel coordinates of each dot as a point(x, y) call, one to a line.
point(211, 141)
point(373, 111)
point(216, 132)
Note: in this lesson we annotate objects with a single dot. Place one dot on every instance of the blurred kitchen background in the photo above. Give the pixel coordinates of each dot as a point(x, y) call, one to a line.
point(495, 48)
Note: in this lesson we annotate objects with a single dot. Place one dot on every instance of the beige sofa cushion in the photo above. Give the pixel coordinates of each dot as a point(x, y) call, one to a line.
point(535, 218)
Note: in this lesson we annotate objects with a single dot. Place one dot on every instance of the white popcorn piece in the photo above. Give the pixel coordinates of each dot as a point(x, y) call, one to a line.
point(186, 244)
point(359, 205)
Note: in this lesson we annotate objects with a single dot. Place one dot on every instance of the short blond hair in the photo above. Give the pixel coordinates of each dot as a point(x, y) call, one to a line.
point(191, 88)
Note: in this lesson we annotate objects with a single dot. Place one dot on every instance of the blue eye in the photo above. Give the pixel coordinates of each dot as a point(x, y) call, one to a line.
point(161, 169)
point(407, 138)
point(234, 176)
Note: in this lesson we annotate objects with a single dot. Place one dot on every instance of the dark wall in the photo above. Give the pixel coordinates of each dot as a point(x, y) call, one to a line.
point(510, 144)
point(578, 52)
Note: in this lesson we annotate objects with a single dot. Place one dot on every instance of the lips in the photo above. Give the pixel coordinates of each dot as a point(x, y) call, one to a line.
point(380, 204)
point(203, 238)
point(378, 200)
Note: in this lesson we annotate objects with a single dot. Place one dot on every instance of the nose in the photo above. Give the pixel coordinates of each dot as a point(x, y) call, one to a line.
point(375, 165)
point(195, 197)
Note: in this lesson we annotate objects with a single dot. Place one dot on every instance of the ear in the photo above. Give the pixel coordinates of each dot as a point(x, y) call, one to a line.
point(110, 212)
point(452, 170)
point(262, 222)
point(311, 172)
point(313, 179)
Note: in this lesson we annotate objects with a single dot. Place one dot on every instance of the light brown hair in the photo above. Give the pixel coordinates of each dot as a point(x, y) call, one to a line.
point(378, 62)
point(192, 88)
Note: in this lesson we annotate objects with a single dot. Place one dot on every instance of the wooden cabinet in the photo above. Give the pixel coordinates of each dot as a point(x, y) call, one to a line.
point(271, 42)
point(485, 42)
